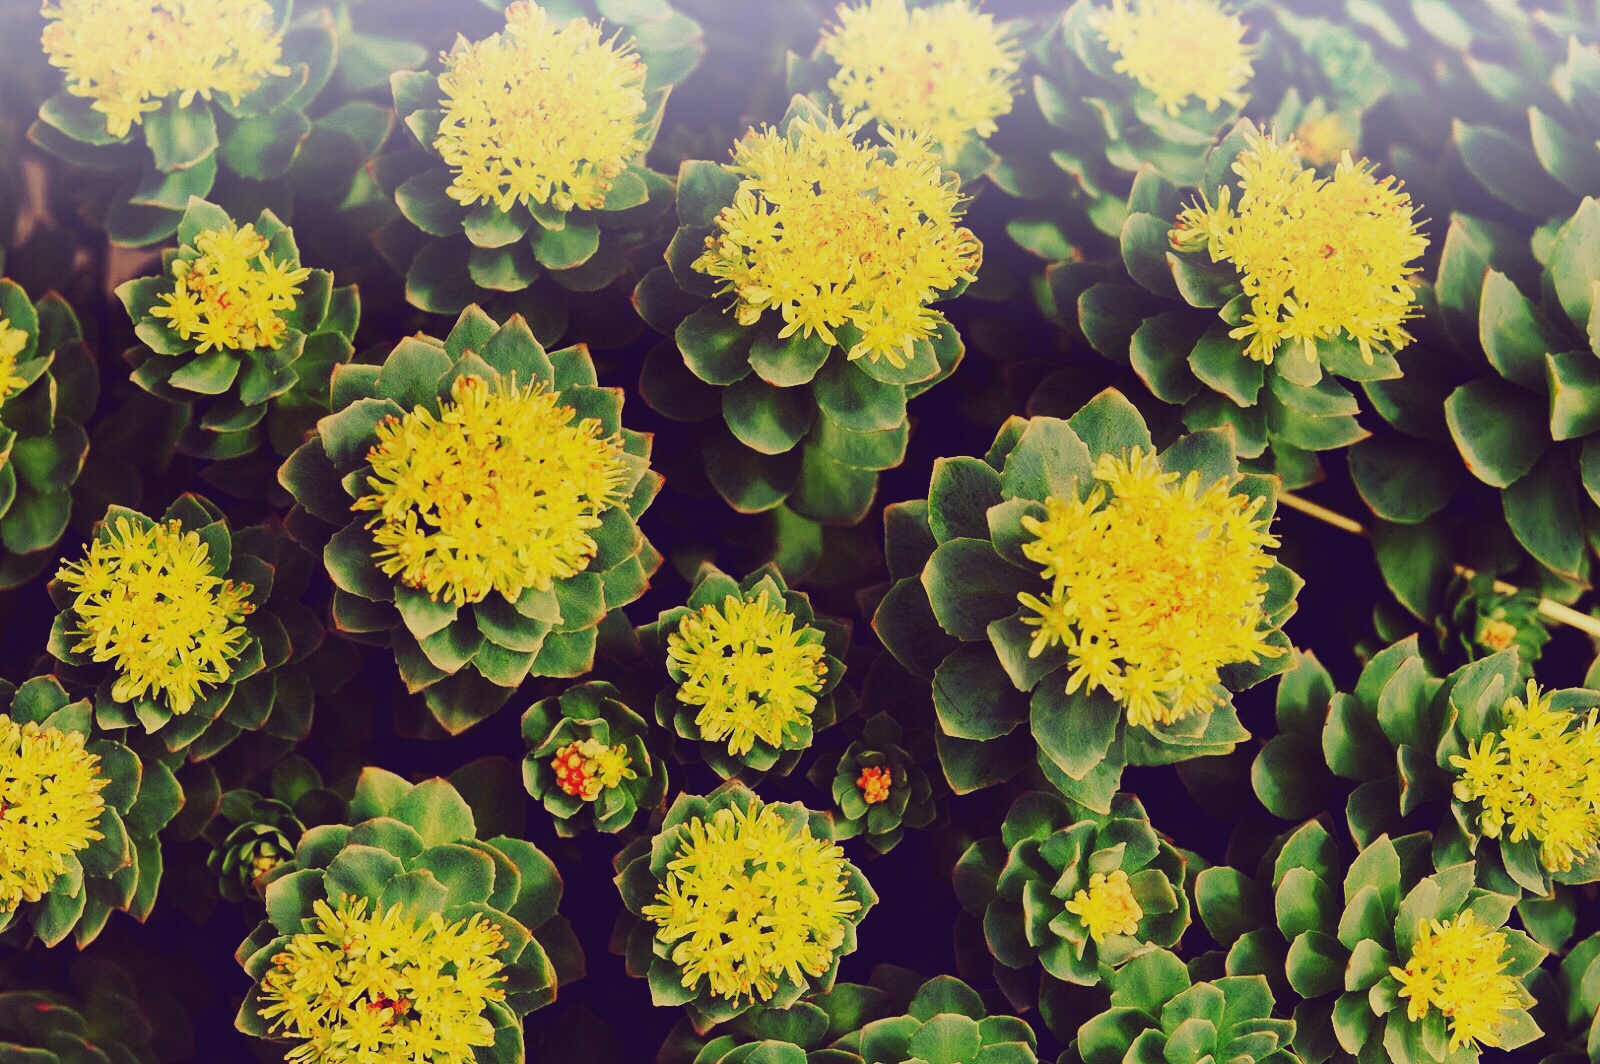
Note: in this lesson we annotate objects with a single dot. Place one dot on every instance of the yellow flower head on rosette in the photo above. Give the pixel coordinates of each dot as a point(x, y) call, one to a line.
point(738, 903)
point(1532, 781)
point(170, 97)
point(750, 671)
point(236, 325)
point(799, 286)
point(65, 831)
point(405, 936)
point(483, 497)
point(947, 68)
point(129, 56)
point(1112, 593)
point(1181, 51)
point(1319, 259)
point(48, 391)
point(1457, 969)
point(532, 151)
point(161, 614)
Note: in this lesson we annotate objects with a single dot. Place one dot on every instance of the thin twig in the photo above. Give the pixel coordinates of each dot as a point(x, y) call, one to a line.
point(1553, 610)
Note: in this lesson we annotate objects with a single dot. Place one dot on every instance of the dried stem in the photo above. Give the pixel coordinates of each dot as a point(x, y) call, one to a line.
point(1553, 610)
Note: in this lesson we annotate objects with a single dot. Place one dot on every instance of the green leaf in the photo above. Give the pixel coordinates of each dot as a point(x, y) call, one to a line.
point(973, 697)
point(1509, 169)
point(704, 188)
point(437, 811)
point(1402, 479)
point(857, 402)
point(1543, 512)
point(423, 199)
point(1074, 730)
point(361, 872)
point(764, 418)
point(1516, 335)
point(1220, 361)
point(1575, 262)
point(960, 493)
point(1574, 382)
point(566, 248)
point(1230, 903)
point(714, 345)
point(1109, 424)
point(1494, 426)
point(969, 585)
point(789, 362)
point(1050, 460)
point(180, 137)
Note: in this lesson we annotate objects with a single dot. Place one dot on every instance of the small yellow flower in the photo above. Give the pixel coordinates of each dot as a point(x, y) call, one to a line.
point(50, 805)
point(1497, 635)
point(945, 69)
point(1458, 967)
point(749, 899)
point(1107, 907)
point(1179, 50)
point(1155, 584)
point(12, 341)
point(368, 988)
point(130, 55)
point(747, 668)
point(150, 601)
point(232, 295)
point(1539, 778)
point(1317, 257)
point(831, 233)
point(587, 768)
point(541, 113)
point(498, 492)
point(1324, 139)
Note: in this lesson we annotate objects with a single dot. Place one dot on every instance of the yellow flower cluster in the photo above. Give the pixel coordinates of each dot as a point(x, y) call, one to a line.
point(232, 295)
point(585, 769)
point(1458, 967)
point(875, 783)
point(752, 675)
point(374, 989)
point(50, 805)
point(946, 69)
point(498, 492)
point(1155, 584)
point(1317, 257)
point(541, 112)
point(750, 898)
point(1107, 907)
point(1538, 778)
point(1496, 634)
point(832, 233)
point(1179, 50)
point(150, 601)
point(12, 341)
point(130, 55)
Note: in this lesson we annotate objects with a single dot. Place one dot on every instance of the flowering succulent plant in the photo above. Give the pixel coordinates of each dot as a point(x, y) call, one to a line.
point(1079, 895)
point(81, 814)
point(173, 98)
point(719, 868)
point(252, 834)
point(236, 326)
point(1025, 586)
point(751, 672)
point(947, 68)
point(878, 785)
point(48, 389)
point(406, 934)
point(530, 157)
point(590, 761)
point(475, 502)
point(810, 358)
point(1389, 962)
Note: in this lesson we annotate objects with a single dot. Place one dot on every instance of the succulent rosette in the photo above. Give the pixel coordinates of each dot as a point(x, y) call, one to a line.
point(530, 155)
point(171, 99)
point(48, 389)
point(720, 867)
point(235, 326)
point(990, 601)
point(484, 436)
point(878, 785)
point(751, 672)
point(1478, 616)
point(590, 760)
point(174, 624)
point(1391, 961)
point(1244, 305)
point(252, 834)
point(82, 813)
point(1513, 762)
point(948, 68)
point(1497, 428)
point(808, 358)
point(106, 1015)
point(1078, 895)
point(1159, 1012)
point(945, 1020)
point(464, 934)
